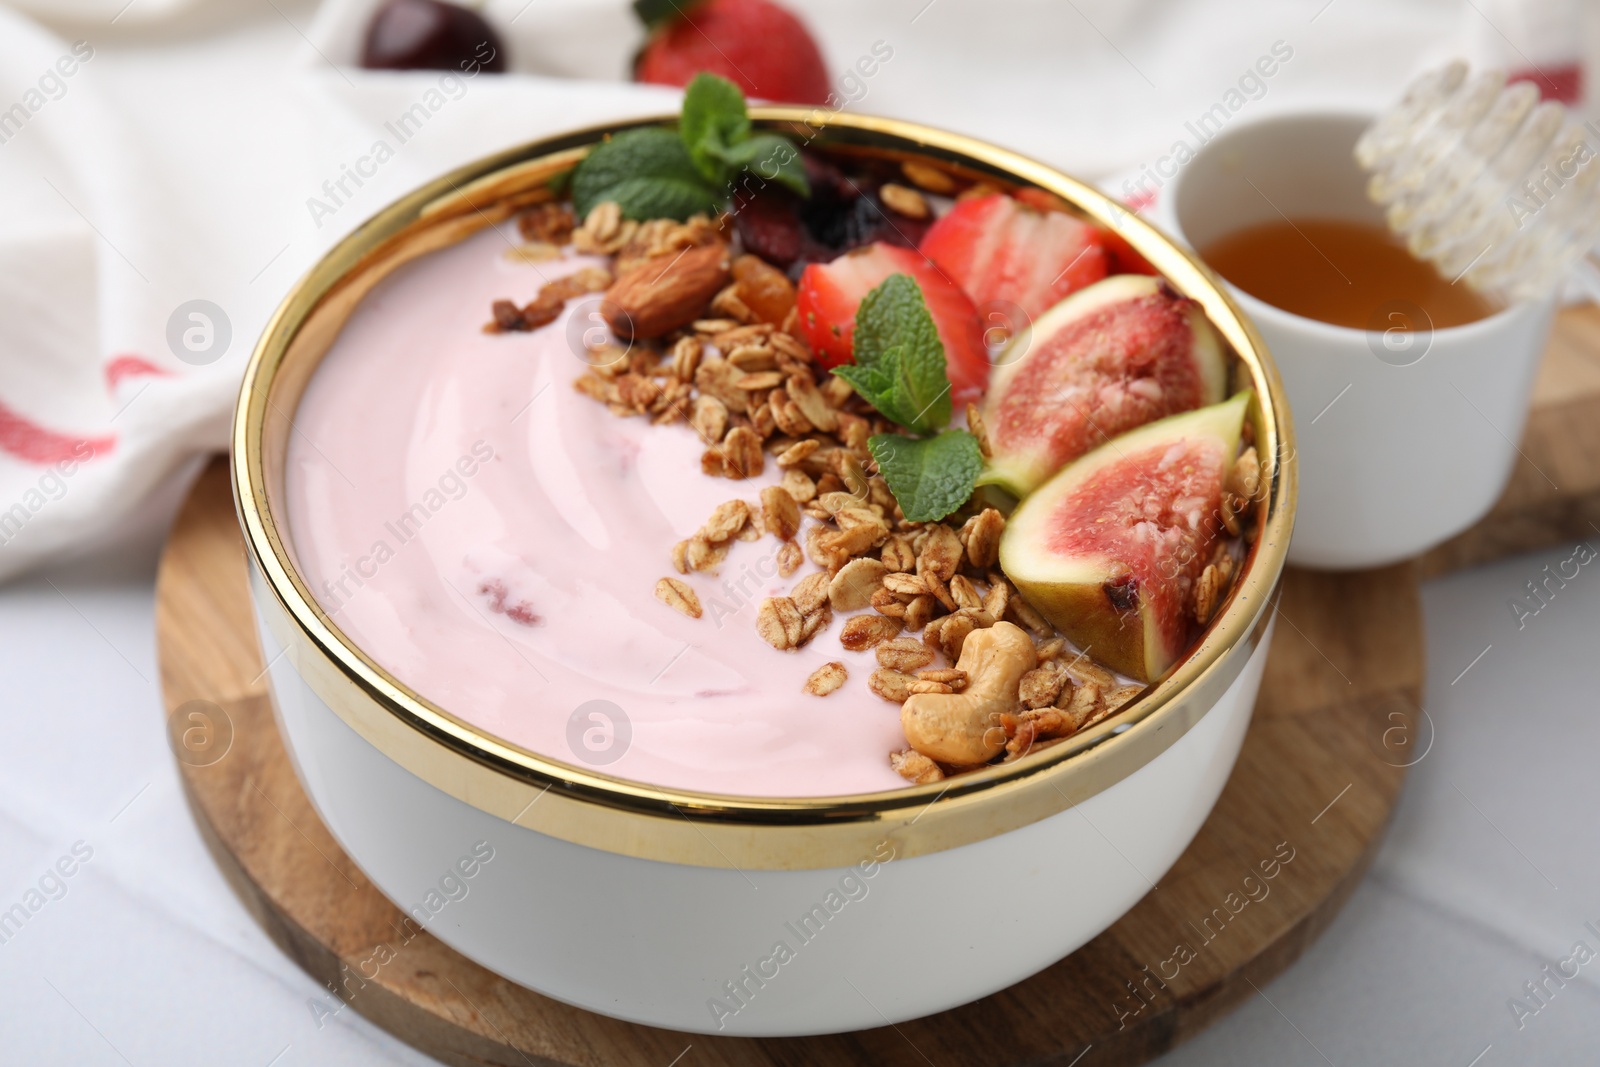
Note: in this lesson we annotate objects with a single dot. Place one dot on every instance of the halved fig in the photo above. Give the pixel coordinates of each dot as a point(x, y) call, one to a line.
point(1123, 352)
point(1109, 549)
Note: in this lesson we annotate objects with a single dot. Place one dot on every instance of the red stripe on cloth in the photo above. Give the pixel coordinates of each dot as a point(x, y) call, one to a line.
point(1140, 200)
point(120, 367)
point(1563, 83)
point(32, 443)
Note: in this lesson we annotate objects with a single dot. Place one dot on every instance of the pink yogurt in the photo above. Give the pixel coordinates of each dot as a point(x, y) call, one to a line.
point(493, 538)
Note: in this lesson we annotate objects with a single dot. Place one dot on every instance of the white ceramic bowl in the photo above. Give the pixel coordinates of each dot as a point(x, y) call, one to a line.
point(669, 907)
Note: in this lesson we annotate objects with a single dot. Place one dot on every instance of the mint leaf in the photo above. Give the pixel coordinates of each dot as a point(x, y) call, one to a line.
point(899, 360)
point(929, 476)
point(648, 172)
point(770, 157)
point(716, 130)
point(713, 123)
point(899, 369)
point(662, 198)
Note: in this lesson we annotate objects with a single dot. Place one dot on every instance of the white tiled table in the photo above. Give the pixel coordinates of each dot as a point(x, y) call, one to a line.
point(1491, 870)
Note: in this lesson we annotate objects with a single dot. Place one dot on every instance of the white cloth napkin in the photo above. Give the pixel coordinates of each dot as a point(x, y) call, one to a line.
point(154, 153)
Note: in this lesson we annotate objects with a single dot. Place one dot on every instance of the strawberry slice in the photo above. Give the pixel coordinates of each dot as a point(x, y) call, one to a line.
point(997, 248)
point(830, 293)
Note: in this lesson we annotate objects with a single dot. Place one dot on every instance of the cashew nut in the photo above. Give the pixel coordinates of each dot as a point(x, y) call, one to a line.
point(964, 728)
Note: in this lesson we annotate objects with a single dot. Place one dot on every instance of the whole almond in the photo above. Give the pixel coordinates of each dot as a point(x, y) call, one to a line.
point(657, 297)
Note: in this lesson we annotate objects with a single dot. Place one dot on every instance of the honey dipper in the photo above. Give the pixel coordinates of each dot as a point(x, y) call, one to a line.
point(1487, 183)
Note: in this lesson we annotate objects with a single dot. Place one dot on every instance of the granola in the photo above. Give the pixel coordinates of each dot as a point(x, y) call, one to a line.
point(679, 595)
point(826, 679)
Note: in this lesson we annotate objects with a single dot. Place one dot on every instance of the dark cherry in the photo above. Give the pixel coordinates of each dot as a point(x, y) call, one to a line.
point(431, 35)
point(829, 215)
point(769, 225)
point(861, 220)
point(878, 223)
point(825, 179)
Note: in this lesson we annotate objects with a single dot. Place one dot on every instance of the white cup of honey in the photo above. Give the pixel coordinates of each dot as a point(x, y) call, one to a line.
point(1409, 390)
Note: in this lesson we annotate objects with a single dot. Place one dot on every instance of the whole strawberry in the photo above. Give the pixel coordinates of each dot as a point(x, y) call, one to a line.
point(757, 45)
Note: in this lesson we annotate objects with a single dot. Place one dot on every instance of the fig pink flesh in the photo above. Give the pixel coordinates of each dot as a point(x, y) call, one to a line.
point(1154, 512)
point(1117, 368)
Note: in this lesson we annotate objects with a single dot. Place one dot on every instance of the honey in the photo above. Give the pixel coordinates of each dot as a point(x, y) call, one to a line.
point(1340, 272)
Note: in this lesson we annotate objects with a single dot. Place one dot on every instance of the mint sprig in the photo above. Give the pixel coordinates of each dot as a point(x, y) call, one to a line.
point(655, 173)
point(716, 129)
point(900, 366)
point(900, 369)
